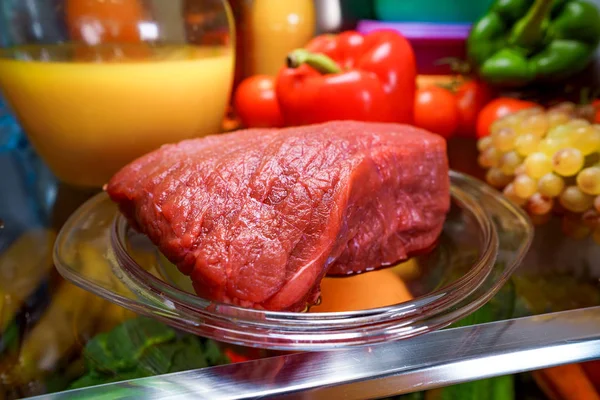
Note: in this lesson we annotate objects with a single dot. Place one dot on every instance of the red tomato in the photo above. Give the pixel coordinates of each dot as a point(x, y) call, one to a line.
point(471, 97)
point(101, 21)
point(596, 104)
point(498, 108)
point(436, 110)
point(235, 357)
point(256, 104)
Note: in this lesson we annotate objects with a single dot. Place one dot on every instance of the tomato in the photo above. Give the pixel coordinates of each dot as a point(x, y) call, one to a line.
point(498, 108)
point(101, 21)
point(596, 104)
point(471, 97)
point(256, 104)
point(436, 110)
point(235, 357)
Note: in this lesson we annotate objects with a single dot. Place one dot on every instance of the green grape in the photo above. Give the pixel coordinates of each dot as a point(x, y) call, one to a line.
point(551, 185)
point(588, 180)
point(526, 144)
point(509, 162)
point(539, 204)
point(504, 140)
point(573, 199)
point(489, 158)
point(533, 124)
point(557, 118)
point(525, 186)
point(484, 143)
point(586, 139)
point(550, 146)
point(597, 203)
point(496, 178)
point(567, 162)
point(537, 165)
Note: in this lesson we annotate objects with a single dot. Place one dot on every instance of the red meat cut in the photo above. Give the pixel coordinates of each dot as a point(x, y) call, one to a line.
point(257, 218)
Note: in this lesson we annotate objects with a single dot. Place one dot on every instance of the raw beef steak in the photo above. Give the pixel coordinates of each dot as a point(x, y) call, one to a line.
point(256, 218)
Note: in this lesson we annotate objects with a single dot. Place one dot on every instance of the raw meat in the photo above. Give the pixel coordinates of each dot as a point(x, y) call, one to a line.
point(256, 218)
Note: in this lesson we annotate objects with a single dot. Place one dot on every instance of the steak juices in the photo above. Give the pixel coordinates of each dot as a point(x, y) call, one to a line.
point(257, 218)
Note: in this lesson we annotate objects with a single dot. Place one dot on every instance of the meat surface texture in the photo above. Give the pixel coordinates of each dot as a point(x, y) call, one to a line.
point(258, 217)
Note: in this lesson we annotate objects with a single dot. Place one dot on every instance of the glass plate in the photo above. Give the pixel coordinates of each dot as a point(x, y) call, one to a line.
point(484, 239)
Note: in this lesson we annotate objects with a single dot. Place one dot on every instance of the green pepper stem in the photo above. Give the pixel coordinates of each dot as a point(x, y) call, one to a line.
point(528, 32)
point(318, 61)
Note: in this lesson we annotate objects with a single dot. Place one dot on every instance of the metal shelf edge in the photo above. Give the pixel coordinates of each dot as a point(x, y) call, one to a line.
point(433, 360)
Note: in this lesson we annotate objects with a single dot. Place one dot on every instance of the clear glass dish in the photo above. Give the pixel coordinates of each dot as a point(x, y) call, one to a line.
point(484, 239)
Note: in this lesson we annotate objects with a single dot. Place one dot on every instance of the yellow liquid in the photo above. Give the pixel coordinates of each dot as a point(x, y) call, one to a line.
point(279, 27)
point(90, 111)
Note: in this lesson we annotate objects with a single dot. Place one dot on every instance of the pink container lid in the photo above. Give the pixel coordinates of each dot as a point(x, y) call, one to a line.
point(419, 31)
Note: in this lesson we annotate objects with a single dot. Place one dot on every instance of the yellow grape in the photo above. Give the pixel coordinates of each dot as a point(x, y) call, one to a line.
point(567, 107)
point(509, 162)
point(586, 139)
point(498, 125)
point(596, 235)
point(567, 162)
point(513, 120)
point(556, 118)
point(597, 203)
point(539, 204)
point(574, 228)
point(504, 140)
point(537, 165)
point(550, 146)
point(525, 186)
point(551, 185)
point(484, 143)
point(573, 199)
point(577, 123)
point(520, 170)
point(496, 178)
point(489, 158)
point(526, 112)
point(526, 144)
point(509, 192)
point(588, 180)
point(534, 124)
point(591, 219)
point(538, 220)
point(560, 132)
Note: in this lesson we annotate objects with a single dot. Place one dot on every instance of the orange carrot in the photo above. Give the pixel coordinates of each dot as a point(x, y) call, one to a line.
point(568, 382)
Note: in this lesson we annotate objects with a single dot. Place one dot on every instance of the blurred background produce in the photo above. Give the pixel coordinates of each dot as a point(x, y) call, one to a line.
point(537, 142)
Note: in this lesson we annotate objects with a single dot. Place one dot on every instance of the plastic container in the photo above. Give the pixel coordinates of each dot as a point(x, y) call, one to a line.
point(431, 42)
point(444, 11)
point(477, 252)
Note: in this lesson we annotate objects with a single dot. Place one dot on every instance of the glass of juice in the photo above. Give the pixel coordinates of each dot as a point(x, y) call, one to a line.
point(98, 83)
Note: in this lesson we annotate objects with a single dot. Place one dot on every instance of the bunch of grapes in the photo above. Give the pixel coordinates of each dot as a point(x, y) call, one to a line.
point(548, 162)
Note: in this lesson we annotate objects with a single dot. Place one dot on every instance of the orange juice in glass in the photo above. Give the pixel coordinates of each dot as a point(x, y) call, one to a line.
point(91, 105)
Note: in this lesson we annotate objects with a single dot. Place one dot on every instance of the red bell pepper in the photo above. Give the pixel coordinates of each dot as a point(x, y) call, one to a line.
point(349, 76)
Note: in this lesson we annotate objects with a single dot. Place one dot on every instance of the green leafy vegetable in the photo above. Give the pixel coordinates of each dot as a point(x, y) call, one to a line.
point(143, 347)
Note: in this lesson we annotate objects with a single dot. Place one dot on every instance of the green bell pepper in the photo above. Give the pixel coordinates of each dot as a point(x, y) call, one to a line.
point(519, 42)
